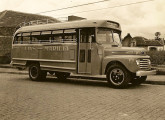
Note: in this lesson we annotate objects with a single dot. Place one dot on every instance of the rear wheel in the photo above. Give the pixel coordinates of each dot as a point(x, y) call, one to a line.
point(137, 80)
point(118, 76)
point(62, 75)
point(35, 73)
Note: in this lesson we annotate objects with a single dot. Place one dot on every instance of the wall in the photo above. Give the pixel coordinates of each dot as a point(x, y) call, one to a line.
point(5, 48)
point(158, 48)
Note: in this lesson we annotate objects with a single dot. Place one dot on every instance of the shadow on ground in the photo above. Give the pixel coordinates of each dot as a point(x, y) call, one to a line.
point(83, 82)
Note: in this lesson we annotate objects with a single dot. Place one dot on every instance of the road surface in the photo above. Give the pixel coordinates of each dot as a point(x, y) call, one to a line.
point(73, 99)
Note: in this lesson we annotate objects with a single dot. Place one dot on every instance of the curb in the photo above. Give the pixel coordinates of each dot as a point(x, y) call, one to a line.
point(5, 66)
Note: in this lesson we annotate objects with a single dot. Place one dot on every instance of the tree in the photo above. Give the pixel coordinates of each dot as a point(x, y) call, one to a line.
point(157, 35)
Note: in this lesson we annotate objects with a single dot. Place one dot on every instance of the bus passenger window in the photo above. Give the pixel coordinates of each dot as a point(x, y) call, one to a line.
point(57, 38)
point(70, 35)
point(26, 40)
point(44, 38)
point(34, 39)
point(18, 40)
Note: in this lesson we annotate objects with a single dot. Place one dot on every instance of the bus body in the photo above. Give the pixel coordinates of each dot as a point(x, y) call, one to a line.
point(87, 47)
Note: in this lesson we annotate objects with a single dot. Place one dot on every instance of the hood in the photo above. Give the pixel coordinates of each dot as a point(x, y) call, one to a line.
point(124, 51)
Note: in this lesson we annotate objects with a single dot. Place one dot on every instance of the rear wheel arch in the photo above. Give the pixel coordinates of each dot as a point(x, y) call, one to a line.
point(28, 63)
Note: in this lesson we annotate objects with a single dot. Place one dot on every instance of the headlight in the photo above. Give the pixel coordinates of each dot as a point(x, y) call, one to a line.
point(149, 62)
point(138, 62)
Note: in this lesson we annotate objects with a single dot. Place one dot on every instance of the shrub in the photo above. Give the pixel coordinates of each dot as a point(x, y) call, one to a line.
point(157, 57)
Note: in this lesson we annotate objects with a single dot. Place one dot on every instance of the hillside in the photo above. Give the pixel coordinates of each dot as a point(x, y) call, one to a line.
point(9, 20)
point(12, 18)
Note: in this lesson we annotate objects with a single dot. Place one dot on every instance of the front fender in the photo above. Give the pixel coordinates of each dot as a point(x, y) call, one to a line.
point(129, 61)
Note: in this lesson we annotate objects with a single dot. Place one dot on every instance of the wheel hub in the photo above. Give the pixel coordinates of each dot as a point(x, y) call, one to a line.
point(117, 76)
point(34, 72)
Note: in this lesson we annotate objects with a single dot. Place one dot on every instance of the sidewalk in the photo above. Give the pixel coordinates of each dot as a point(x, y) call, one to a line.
point(158, 79)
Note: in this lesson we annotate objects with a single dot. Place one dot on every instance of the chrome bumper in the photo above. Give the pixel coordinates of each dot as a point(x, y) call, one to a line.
point(145, 73)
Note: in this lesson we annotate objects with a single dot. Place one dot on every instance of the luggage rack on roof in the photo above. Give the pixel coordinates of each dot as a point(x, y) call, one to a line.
point(37, 22)
point(34, 22)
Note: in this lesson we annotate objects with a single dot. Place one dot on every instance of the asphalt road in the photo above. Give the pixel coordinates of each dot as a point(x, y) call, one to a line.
point(73, 99)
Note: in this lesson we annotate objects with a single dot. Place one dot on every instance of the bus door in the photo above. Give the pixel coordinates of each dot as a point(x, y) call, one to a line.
point(84, 57)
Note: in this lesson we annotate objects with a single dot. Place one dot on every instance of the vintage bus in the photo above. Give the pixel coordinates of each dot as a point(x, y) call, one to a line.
point(86, 47)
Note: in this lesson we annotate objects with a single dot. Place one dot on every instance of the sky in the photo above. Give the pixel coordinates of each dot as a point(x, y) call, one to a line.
point(143, 19)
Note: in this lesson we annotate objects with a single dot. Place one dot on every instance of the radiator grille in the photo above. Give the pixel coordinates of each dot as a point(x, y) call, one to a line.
point(144, 64)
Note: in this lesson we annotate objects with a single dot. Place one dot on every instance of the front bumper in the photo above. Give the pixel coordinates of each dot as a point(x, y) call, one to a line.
point(145, 73)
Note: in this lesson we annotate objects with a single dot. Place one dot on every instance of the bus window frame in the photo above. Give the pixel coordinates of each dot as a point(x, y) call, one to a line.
point(72, 34)
point(88, 30)
point(112, 31)
point(62, 33)
point(16, 39)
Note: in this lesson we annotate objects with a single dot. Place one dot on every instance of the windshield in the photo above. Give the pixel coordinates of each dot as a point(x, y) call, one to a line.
point(108, 36)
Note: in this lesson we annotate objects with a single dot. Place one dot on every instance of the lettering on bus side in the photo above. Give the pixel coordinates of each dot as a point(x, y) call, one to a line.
point(56, 48)
point(49, 48)
point(30, 48)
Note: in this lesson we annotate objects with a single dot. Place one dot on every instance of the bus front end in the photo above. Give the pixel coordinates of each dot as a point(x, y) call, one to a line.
point(122, 65)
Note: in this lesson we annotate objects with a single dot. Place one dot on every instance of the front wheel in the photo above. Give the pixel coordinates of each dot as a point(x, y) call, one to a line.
point(35, 73)
point(62, 75)
point(118, 76)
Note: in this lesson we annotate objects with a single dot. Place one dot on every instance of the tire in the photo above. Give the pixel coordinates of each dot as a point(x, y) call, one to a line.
point(35, 73)
point(62, 75)
point(118, 76)
point(137, 80)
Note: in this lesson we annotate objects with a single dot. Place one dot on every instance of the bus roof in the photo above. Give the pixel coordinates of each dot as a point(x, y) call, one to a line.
point(69, 25)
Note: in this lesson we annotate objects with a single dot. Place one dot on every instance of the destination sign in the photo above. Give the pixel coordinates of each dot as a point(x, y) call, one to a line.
point(113, 25)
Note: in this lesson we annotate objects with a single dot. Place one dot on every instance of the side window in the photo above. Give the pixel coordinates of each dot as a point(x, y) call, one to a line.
point(70, 35)
point(35, 37)
point(57, 36)
point(83, 36)
point(46, 36)
point(26, 38)
point(18, 39)
point(87, 35)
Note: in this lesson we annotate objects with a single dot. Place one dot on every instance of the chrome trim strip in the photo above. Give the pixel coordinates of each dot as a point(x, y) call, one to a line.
point(45, 60)
point(54, 67)
point(17, 64)
point(145, 73)
point(50, 44)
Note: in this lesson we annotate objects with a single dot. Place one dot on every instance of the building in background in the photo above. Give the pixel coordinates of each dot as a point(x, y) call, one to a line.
point(9, 22)
point(150, 45)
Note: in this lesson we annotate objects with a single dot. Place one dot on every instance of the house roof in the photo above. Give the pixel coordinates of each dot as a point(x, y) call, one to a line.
point(141, 41)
